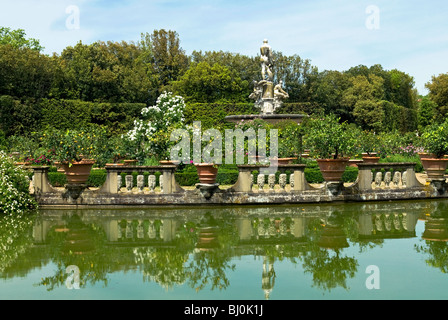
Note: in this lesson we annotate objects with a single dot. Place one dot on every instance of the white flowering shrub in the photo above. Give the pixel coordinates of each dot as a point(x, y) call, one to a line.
point(151, 134)
point(15, 197)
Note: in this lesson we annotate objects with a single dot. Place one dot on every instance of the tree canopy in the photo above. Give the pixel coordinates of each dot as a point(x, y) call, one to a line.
point(138, 72)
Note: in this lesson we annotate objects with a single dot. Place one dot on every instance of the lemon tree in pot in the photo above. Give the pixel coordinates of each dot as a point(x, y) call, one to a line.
point(369, 144)
point(331, 144)
point(435, 141)
point(74, 150)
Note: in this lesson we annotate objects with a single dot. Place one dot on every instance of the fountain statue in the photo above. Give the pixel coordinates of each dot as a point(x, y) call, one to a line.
point(267, 96)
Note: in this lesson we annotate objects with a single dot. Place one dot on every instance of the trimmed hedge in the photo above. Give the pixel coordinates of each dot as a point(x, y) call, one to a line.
point(76, 114)
point(20, 117)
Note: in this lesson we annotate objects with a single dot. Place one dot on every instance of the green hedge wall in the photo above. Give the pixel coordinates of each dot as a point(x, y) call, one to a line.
point(213, 114)
point(75, 114)
point(24, 116)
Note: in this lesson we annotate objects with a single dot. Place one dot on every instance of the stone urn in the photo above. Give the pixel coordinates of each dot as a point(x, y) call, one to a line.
point(370, 158)
point(207, 172)
point(333, 169)
point(435, 167)
point(284, 160)
point(78, 172)
point(130, 162)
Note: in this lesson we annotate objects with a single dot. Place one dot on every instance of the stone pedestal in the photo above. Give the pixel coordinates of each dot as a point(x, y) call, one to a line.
point(207, 190)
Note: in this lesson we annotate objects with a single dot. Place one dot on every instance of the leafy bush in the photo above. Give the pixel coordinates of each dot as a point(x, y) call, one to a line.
point(15, 197)
point(435, 139)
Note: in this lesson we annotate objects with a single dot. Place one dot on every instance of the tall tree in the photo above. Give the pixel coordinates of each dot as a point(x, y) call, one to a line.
point(170, 61)
point(17, 39)
point(438, 92)
point(207, 83)
point(297, 75)
point(25, 72)
point(362, 99)
point(105, 72)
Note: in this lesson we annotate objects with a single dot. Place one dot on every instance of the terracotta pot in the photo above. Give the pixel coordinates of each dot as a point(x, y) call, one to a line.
point(435, 168)
point(169, 162)
point(207, 173)
point(78, 172)
point(424, 155)
point(130, 162)
point(332, 169)
point(369, 159)
point(284, 160)
point(354, 163)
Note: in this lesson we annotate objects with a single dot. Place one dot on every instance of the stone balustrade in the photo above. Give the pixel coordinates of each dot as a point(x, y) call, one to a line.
point(256, 184)
point(292, 174)
point(386, 176)
point(146, 179)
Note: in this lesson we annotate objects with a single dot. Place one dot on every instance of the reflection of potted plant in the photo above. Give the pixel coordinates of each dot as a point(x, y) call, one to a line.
point(331, 144)
point(435, 141)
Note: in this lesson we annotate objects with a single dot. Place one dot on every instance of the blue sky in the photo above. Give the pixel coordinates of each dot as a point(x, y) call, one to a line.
point(411, 36)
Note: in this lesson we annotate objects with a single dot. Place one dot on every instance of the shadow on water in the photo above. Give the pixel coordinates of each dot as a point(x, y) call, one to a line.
point(198, 247)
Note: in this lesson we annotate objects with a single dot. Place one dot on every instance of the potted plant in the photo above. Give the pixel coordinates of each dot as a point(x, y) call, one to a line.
point(435, 142)
point(290, 141)
point(331, 144)
point(369, 144)
point(74, 150)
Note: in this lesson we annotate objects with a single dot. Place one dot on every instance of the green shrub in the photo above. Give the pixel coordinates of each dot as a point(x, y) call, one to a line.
point(15, 197)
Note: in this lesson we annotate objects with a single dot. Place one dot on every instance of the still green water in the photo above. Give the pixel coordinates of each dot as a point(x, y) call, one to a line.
point(394, 250)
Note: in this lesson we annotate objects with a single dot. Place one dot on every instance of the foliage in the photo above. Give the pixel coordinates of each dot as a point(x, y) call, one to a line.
point(435, 139)
point(15, 197)
point(205, 83)
point(25, 73)
point(289, 139)
point(369, 142)
point(104, 72)
point(438, 93)
point(169, 60)
point(427, 112)
point(17, 39)
point(72, 145)
point(151, 134)
point(327, 138)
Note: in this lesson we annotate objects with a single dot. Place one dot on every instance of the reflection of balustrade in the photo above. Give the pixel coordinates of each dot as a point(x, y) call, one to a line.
point(386, 176)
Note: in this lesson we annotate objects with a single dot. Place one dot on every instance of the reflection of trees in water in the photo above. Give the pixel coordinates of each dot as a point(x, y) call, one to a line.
point(198, 249)
point(77, 244)
point(435, 238)
point(323, 258)
point(15, 241)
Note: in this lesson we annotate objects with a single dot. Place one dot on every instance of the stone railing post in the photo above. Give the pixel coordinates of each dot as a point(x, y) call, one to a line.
point(111, 183)
point(41, 182)
point(299, 183)
point(244, 182)
point(364, 177)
